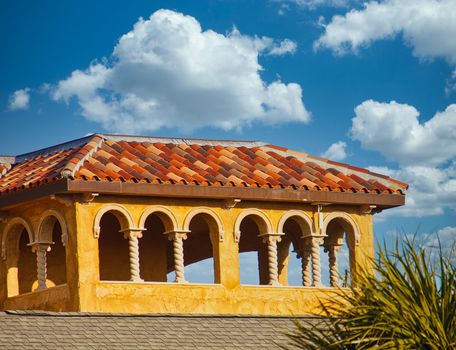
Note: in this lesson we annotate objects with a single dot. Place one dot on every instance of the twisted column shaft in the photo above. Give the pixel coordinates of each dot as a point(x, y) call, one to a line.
point(41, 268)
point(40, 248)
point(178, 253)
point(306, 271)
point(333, 266)
point(316, 267)
point(273, 270)
point(133, 250)
point(272, 263)
point(133, 234)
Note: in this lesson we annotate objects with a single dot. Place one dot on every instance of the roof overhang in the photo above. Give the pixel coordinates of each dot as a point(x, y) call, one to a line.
point(382, 200)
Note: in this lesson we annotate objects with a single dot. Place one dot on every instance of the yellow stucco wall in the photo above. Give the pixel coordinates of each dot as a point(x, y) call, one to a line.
point(85, 292)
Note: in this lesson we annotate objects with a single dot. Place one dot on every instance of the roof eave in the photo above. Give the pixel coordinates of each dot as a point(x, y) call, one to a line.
point(383, 200)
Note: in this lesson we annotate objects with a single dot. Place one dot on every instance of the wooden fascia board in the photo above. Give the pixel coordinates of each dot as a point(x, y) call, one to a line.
point(27, 194)
point(383, 200)
point(243, 193)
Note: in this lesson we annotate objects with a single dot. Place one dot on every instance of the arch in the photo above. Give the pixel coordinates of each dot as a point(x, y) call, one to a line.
point(347, 219)
point(202, 210)
point(292, 242)
point(167, 216)
point(11, 223)
point(266, 223)
point(120, 212)
point(304, 218)
point(14, 245)
point(44, 223)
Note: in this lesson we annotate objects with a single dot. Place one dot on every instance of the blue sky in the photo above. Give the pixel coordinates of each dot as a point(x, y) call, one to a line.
point(372, 84)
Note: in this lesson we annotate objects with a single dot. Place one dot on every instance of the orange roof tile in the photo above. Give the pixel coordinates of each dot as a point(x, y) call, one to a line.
point(105, 157)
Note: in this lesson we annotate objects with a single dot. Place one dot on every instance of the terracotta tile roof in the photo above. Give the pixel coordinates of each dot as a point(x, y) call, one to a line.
point(124, 158)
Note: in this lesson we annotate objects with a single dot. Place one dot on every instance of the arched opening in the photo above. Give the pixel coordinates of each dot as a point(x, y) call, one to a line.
point(113, 248)
point(21, 270)
point(51, 231)
point(290, 251)
point(339, 245)
point(199, 250)
point(26, 266)
point(253, 253)
point(155, 250)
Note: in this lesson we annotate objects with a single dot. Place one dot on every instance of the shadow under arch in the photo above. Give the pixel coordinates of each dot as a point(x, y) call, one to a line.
point(113, 250)
point(348, 223)
point(52, 228)
point(294, 224)
point(155, 250)
point(261, 219)
point(20, 260)
point(47, 221)
point(165, 214)
point(120, 212)
point(202, 245)
point(249, 225)
point(337, 226)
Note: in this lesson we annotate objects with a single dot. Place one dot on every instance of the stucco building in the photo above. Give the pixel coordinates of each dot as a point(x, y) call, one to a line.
point(96, 225)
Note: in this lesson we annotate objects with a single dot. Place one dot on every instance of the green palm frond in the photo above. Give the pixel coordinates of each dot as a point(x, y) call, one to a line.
point(409, 303)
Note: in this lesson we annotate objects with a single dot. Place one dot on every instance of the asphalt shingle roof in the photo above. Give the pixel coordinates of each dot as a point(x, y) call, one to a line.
point(51, 330)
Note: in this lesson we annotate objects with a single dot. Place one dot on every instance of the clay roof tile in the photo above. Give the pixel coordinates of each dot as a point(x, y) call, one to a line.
point(227, 163)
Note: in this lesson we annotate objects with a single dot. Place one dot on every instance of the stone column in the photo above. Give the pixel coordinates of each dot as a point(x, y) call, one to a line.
point(41, 248)
point(332, 250)
point(133, 234)
point(315, 241)
point(272, 239)
point(305, 266)
point(178, 238)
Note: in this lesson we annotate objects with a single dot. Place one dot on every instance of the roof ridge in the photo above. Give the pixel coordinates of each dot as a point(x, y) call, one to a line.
point(7, 159)
point(84, 153)
point(183, 140)
point(59, 147)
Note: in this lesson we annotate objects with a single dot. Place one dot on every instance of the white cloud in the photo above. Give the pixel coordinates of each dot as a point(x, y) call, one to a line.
point(432, 190)
point(20, 99)
point(284, 47)
point(444, 239)
point(394, 130)
point(313, 4)
point(428, 26)
point(425, 153)
point(336, 151)
point(167, 72)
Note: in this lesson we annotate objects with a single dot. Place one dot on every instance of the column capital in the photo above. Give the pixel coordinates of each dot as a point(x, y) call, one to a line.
point(270, 237)
point(42, 246)
point(176, 234)
point(332, 246)
point(319, 239)
point(133, 232)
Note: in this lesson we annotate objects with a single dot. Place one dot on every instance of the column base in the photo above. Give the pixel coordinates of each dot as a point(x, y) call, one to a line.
point(41, 287)
point(180, 280)
point(136, 280)
point(274, 283)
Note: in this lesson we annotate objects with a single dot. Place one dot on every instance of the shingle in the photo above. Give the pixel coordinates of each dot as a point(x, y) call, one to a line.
point(50, 330)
